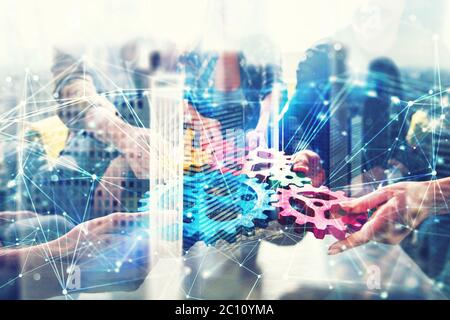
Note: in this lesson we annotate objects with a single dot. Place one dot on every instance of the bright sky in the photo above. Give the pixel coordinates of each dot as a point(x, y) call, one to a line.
point(31, 28)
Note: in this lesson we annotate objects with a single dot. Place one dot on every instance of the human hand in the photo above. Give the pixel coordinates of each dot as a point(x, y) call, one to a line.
point(400, 208)
point(308, 163)
point(105, 254)
point(77, 99)
point(8, 217)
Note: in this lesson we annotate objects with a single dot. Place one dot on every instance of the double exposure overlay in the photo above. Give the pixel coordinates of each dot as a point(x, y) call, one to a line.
point(225, 149)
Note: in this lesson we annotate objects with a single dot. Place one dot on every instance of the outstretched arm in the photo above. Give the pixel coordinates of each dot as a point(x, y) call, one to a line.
point(400, 208)
point(108, 253)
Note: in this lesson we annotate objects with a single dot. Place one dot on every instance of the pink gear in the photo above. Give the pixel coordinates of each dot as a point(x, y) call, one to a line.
point(317, 205)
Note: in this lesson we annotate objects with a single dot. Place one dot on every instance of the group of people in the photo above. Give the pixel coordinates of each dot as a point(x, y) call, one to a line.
point(222, 91)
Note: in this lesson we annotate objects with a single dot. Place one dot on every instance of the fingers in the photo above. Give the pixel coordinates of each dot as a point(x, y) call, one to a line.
point(307, 161)
point(121, 223)
point(367, 202)
point(380, 227)
point(301, 163)
point(7, 216)
point(357, 239)
point(116, 223)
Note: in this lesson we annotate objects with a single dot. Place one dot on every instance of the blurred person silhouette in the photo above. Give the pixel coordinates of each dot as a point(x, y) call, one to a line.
point(381, 96)
point(60, 154)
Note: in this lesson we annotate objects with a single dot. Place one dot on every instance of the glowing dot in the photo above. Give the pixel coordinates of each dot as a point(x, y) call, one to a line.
point(20, 275)
point(338, 47)
point(94, 177)
point(64, 292)
point(395, 100)
point(433, 173)
point(259, 276)
point(372, 93)
point(410, 103)
point(384, 295)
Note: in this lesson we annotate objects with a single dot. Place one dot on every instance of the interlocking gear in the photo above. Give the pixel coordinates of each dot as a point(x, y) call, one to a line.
point(257, 200)
point(261, 163)
point(284, 177)
point(316, 210)
point(221, 206)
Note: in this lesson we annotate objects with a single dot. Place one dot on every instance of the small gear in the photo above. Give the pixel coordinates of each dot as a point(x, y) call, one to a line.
point(221, 206)
point(311, 209)
point(285, 177)
point(256, 203)
point(261, 163)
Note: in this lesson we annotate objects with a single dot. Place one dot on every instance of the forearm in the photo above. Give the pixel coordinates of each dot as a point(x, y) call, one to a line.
point(19, 267)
